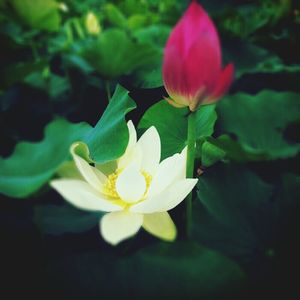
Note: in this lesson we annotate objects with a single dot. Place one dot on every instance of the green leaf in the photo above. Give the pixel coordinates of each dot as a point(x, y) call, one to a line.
point(137, 21)
point(17, 72)
point(32, 164)
point(54, 85)
point(172, 271)
point(113, 53)
point(108, 140)
point(114, 15)
point(210, 154)
point(233, 150)
point(171, 124)
point(38, 14)
point(259, 121)
point(156, 36)
point(249, 58)
point(236, 213)
point(62, 219)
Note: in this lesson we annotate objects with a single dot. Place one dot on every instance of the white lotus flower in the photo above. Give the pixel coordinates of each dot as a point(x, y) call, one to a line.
point(137, 191)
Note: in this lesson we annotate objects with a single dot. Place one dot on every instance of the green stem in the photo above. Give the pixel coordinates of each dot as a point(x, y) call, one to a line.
point(191, 151)
point(69, 33)
point(78, 28)
point(107, 87)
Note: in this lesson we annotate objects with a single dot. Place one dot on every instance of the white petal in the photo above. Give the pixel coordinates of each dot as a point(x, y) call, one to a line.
point(169, 170)
point(131, 184)
point(151, 148)
point(160, 225)
point(164, 175)
point(168, 199)
point(82, 195)
point(132, 134)
point(130, 151)
point(118, 226)
point(134, 154)
point(93, 176)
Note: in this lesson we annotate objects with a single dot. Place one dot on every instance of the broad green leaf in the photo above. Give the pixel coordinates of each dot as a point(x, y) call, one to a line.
point(62, 219)
point(245, 20)
point(210, 154)
point(249, 58)
point(236, 213)
point(156, 36)
point(232, 150)
point(32, 164)
point(259, 121)
point(171, 124)
point(172, 271)
point(149, 78)
point(38, 14)
point(114, 53)
point(108, 140)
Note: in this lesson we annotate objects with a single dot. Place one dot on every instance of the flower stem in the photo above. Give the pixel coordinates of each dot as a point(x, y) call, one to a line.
point(191, 151)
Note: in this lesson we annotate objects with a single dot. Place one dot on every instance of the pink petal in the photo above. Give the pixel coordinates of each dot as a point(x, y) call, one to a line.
point(200, 68)
point(192, 57)
point(194, 24)
point(224, 81)
point(172, 69)
point(222, 85)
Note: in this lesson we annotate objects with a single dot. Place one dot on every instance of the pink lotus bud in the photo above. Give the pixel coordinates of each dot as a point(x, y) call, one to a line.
point(192, 66)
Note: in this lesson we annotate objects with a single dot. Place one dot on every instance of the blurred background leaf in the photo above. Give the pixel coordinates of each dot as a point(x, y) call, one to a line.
point(62, 219)
point(259, 121)
point(102, 54)
point(177, 270)
point(32, 164)
point(236, 212)
point(38, 14)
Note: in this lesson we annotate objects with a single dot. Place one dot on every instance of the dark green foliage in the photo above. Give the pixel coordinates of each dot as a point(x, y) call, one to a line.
point(32, 164)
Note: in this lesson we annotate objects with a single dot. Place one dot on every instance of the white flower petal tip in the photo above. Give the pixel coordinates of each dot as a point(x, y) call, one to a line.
point(92, 175)
point(132, 134)
point(184, 152)
point(132, 152)
point(169, 170)
point(118, 226)
point(150, 146)
point(160, 225)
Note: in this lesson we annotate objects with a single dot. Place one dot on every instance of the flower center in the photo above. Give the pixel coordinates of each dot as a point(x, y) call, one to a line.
point(110, 185)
